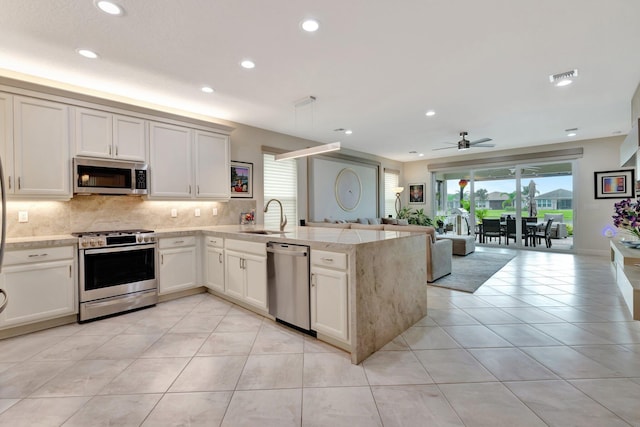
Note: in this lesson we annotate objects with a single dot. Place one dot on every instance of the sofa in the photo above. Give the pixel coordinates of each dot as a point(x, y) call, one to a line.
point(558, 227)
point(438, 251)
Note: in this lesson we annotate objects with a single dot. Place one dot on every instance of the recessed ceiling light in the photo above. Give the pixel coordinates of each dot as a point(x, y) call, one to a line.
point(430, 113)
point(571, 134)
point(87, 53)
point(348, 132)
point(207, 89)
point(310, 25)
point(248, 64)
point(109, 7)
point(420, 154)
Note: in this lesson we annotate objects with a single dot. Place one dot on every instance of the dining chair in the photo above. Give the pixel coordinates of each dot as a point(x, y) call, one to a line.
point(510, 231)
point(491, 228)
point(545, 233)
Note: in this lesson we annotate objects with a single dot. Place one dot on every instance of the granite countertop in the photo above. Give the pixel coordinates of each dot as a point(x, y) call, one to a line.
point(301, 235)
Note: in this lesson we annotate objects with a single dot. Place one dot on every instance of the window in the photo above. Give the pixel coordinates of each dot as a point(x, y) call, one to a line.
point(391, 180)
point(280, 182)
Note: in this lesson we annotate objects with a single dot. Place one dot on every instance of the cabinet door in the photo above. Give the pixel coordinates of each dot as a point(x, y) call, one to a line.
point(93, 133)
point(170, 161)
point(6, 139)
point(177, 269)
point(39, 291)
point(329, 303)
point(234, 280)
point(215, 268)
point(212, 165)
point(129, 138)
point(41, 147)
point(255, 268)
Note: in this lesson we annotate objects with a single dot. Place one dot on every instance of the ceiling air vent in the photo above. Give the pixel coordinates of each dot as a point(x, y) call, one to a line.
point(563, 79)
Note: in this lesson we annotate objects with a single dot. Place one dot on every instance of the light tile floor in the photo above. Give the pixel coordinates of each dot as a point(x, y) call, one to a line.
point(546, 341)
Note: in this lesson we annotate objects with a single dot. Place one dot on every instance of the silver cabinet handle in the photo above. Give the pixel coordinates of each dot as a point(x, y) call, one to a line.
point(9, 183)
point(70, 273)
point(161, 258)
point(177, 242)
point(220, 258)
point(116, 150)
point(189, 188)
point(109, 150)
point(37, 255)
point(6, 300)
point(313, 280)
point(18, 183)
point(327, 259)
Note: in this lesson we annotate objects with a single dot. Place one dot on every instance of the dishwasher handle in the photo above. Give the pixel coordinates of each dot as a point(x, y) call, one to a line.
point(294, 251)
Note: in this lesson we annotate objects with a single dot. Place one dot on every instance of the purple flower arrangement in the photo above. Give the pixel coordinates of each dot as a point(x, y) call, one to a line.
point(627, 216)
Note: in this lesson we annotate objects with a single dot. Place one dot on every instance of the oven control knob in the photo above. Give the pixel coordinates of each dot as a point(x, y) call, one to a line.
point(93, 242)
point(101, 242)
point(147, 239)
point(84, 243)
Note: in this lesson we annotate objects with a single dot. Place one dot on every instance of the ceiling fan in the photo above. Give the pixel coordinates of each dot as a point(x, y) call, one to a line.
point(531, 169)
point(465, 144)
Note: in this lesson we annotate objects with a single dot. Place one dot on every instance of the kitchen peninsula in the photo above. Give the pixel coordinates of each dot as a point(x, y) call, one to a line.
point(370, 285)
point(386, 278)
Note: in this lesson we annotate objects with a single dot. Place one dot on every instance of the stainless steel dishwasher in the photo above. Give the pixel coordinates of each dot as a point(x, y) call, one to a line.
point(288, 285)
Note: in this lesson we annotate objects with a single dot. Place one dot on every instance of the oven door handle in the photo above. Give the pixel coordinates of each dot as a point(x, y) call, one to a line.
point(118, 249)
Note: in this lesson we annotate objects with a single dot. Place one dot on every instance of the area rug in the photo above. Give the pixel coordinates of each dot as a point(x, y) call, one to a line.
point(469, 272)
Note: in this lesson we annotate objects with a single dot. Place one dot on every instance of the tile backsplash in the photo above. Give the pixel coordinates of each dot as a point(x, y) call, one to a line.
point(93, 213)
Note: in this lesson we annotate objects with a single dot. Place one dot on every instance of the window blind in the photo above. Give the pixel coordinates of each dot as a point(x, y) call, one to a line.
point(391, 180)
point(280, 182)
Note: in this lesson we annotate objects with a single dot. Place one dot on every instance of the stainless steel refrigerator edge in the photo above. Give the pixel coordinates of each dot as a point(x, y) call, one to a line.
point(288, 285)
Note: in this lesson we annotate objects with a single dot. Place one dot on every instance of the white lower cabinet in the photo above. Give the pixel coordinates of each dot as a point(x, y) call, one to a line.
point(40, 283)
point(330, 294)
point(178, 264)
point(214, 263)
point(246, 272)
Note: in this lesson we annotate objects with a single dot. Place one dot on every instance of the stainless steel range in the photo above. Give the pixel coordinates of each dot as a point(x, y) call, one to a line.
point(117, 272)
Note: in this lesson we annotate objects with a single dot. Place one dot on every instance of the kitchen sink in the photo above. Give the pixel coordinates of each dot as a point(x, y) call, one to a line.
point(262, 232)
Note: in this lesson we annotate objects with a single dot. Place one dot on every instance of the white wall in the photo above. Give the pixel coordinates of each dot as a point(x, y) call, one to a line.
point(590, 215)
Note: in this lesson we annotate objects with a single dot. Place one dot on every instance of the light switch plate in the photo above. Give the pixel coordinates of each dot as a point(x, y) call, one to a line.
point(174, 213)
point(215, 211)
point(197, 212)
point(23, 216)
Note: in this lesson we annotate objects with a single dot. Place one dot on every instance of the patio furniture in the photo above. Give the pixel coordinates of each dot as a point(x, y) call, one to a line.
point(527, 230)
point(491, 228)
point(545, 234)
point(559, 228)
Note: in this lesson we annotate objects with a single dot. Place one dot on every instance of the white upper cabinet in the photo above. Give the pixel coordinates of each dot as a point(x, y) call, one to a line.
point(42, 163)
point(112, 136)
point(6, 136)
point(211, 165)
point(170, 161)
point(188, 163)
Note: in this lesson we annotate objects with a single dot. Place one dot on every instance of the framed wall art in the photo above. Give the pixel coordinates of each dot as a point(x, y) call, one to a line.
point(241, 179)
point(416, 194)
point(619, 184)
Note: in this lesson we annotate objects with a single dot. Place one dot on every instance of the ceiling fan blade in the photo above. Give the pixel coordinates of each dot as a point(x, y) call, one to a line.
point(444, 148)
point(483, 145)
point(480, 141)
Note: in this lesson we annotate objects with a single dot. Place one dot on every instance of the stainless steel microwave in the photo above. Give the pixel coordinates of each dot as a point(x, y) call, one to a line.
point(96, 176)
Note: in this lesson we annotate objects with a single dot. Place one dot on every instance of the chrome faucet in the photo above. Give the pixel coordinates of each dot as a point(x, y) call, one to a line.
point(283, 217)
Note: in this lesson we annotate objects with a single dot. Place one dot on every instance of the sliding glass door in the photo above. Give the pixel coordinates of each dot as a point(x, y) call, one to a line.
point(533, 192)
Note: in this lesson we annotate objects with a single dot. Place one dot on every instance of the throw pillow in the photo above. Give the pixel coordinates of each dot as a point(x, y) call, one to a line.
point(403, 222)
point(374, 221)
point(363, 221)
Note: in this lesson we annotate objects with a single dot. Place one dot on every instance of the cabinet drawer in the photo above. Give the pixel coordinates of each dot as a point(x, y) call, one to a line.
point(216, 242)
point(176, 242)
point(329, 259)
point(246, 247)
point(38, 255)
